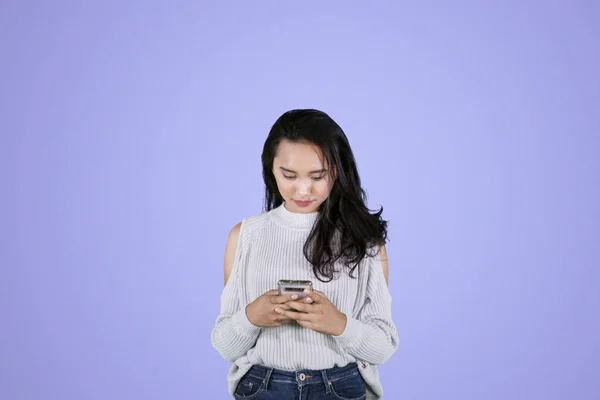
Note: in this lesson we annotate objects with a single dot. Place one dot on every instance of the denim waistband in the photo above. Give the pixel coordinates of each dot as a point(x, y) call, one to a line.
point(303, 376)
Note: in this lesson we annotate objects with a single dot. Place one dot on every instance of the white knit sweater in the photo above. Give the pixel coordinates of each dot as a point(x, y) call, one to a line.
point(270, 248)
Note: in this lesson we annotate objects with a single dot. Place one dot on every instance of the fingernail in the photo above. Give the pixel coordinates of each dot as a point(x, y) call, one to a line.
point(294, 296)
point(308, 300)
point(278, 310)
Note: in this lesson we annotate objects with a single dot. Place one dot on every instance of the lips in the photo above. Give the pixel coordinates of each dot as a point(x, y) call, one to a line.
point(303, 203)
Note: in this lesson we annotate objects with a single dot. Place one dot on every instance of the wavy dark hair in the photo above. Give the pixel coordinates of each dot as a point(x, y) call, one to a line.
point(345, 229)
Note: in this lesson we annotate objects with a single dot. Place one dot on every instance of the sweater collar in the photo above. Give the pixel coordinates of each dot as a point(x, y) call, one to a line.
point(294, 220)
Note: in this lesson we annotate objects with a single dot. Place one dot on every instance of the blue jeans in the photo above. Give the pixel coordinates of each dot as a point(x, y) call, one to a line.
point(338, 383)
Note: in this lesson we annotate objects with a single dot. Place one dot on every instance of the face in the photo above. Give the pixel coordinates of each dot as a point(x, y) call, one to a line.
point(302, 176)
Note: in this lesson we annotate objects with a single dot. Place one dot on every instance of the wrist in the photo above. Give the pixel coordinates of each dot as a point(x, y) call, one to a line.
point(242, 325)
point(248, 311)
point(341, 325)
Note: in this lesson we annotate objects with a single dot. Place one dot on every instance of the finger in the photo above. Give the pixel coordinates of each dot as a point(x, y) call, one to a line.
point(280, 309)
point(280, 299)
point(298, 316)
point(316, 296)
point(282, 319)
point(284, 306)
point(280, 316)
point(299, 306)
point(307, 324)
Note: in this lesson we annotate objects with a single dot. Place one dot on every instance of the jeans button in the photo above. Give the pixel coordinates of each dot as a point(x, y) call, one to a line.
point(302, 377)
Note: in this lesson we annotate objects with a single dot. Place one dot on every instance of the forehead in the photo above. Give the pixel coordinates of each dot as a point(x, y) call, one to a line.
point(299, 156)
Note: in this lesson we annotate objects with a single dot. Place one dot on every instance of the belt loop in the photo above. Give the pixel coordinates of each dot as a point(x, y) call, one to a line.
point(267, 378)
point(326, 382)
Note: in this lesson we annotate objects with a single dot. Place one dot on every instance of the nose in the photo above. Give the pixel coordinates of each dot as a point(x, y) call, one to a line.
point(303, 188)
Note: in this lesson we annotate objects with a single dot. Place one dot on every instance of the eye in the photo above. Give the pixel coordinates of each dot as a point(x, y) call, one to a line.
point(318, 178)
point(289, 177)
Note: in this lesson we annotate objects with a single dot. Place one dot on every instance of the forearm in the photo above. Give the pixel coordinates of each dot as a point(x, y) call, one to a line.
point(373, 341)
point(233, 335)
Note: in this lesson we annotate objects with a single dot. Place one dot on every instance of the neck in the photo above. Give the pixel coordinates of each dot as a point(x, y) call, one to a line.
point(294, 219)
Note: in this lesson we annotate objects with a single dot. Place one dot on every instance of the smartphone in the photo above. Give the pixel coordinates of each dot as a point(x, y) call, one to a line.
point(294, 287)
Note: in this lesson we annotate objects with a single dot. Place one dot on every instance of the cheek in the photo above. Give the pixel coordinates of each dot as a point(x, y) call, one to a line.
point(323, 189)
point(284, 186)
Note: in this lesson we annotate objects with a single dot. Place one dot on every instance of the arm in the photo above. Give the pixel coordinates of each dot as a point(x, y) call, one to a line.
point(230, 250)
point(384, 263)
point(371, 335)
point(233, 334)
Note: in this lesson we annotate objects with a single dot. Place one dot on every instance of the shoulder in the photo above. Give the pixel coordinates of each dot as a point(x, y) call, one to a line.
point(383, 258)
point(239, 238)
point(231, 247)
point(254, 222)
point(240, 232)
point(234, 235)
point(377, 261)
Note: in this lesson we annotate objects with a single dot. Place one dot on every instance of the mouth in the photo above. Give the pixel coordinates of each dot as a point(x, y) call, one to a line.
point(303, 203)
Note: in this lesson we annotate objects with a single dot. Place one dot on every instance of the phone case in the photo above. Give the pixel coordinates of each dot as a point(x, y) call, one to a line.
point(294, 287)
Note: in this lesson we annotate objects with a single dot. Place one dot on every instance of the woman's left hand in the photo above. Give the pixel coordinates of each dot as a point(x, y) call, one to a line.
point(316, 312)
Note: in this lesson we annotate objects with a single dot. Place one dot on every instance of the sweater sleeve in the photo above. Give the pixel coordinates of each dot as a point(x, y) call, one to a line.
point(233, 334)
point(371, 335)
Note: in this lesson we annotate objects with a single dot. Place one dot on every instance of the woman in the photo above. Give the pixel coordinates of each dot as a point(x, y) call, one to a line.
point(316, 227)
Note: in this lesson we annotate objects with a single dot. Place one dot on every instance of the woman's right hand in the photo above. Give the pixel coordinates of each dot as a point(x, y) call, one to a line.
point(261, 312)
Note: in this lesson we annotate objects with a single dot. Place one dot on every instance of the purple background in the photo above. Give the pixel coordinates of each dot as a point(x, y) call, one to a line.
point(130, 145)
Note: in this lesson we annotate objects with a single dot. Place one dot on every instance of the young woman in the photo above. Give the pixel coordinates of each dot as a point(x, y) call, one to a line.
point(316, 227)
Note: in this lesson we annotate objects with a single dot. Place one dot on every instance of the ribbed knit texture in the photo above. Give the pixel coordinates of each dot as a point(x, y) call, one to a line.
point(270, 248)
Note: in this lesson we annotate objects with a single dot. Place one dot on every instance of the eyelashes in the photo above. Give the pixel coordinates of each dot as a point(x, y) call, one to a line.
point(293, 177)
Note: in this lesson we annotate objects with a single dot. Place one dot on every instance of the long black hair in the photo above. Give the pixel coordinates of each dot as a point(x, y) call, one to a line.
point(345, 229)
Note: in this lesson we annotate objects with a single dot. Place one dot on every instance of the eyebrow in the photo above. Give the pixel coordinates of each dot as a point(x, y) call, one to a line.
point(318, 171)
